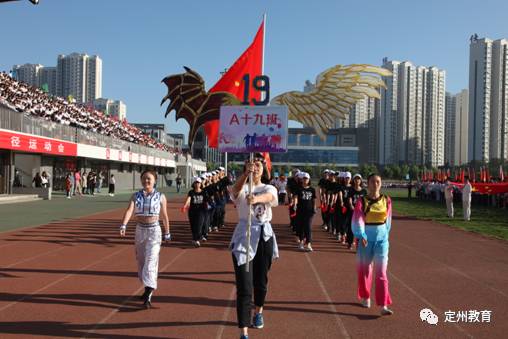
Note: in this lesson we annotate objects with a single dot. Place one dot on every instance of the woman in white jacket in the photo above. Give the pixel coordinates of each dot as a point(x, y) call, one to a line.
point(263, 245)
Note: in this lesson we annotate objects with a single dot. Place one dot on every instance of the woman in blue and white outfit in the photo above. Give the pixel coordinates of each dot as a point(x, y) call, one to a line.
point(147, 205)
point(263, 245)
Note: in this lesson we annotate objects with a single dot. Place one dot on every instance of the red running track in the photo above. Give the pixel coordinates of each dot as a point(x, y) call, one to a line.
point(78, 279)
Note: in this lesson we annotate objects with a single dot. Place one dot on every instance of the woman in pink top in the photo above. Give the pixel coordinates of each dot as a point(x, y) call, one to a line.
point(77, 182)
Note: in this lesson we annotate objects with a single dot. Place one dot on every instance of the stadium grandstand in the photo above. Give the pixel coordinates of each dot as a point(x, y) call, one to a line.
point(40, 132)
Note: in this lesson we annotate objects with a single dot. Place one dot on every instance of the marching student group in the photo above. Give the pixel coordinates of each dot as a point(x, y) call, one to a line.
point(356, 217)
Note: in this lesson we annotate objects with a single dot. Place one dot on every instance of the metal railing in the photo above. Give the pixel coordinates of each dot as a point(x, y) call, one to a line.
point(22, 122)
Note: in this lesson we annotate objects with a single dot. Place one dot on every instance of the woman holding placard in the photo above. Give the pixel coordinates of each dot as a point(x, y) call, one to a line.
point(263, 245)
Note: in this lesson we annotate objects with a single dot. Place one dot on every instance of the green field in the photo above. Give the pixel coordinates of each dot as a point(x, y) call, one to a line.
point(484, 220)
point(27, 214)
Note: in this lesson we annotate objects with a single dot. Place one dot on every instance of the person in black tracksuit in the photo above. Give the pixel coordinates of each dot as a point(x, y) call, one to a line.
point(333, 188)
point(196, 207)
point(322, 195)
point(224, 183)
point(292, 188)
point(327, 202)
point(339, 208)
point(217, 199)
point(356, 192)
point(347, 212)
point(209, 207)
point(305, 205)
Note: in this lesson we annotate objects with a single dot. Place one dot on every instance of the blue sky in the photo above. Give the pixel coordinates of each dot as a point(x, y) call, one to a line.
point(140, 42)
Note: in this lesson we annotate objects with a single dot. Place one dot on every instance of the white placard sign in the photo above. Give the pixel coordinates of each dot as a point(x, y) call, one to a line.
point(246, 129)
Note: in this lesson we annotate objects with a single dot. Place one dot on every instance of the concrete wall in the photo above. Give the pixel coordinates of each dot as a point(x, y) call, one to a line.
point(127, 176)
point(28, 165)
point(130, 177)
point(44, 193)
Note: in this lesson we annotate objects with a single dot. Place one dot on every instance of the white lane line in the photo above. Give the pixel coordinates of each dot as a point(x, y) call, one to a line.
point(338, 319)
point(225, 316)
point(457, 271)
point(434, 307)
point(5, 245)
point(115, 311)
point(60, 280)
point(36, 256)
point(62, 221)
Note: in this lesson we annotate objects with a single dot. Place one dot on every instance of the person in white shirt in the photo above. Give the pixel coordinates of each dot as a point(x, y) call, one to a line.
point(466, 199)
point(281, 187)
point(112, 183)
point(148, 205)
point(263, 247)
point(448, 193)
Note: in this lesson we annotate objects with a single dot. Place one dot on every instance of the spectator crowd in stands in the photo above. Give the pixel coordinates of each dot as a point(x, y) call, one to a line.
point(33, 101)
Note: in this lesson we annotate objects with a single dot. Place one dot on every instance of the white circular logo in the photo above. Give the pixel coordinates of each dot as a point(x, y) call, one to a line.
point(428, 316)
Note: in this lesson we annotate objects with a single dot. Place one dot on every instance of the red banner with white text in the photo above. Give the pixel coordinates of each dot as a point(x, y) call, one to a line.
point(35, 144)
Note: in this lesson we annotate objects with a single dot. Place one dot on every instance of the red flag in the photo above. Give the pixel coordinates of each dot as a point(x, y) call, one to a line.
point(266, 155)
point(486, 188)
point(250, 62)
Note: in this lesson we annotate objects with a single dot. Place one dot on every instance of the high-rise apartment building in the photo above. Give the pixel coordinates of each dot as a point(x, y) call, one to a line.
point(93, 78)
point(387, 117)
point(79, 76)
point(461, 128)
point(363, 115)
point(118, 110)
point(411, 115)
point(450, 127)
point(27, 73)
point(488, 99)
point(113, 108)
point(48, 79)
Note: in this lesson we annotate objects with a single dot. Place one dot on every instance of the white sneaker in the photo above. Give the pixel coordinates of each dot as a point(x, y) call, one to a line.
point(309, 248)
point(386, 311)
point(198, 244)
point(366, 303)
point(300, 246)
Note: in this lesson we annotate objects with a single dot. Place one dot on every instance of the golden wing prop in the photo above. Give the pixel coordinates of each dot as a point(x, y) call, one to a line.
point(337, 89)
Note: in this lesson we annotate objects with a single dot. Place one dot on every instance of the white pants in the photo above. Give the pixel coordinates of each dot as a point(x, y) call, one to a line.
point(148, 246)
point(449, 207)
point(466, 206)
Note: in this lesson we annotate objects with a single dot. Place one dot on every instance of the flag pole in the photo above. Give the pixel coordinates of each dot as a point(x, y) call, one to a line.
point(249, 216)
point(263, 57)
point(226, 163)
point(251, 157)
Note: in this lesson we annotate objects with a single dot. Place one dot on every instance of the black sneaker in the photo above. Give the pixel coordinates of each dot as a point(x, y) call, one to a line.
point(143, 296)
point(148, 298)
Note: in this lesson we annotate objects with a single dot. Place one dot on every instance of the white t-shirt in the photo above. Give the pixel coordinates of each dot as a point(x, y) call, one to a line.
point(466, 192)
point(281, 185)
point(261, 213)
point(448, 192)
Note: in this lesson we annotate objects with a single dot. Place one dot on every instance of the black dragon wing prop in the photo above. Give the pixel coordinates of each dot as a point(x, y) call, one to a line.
point(187, 96)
